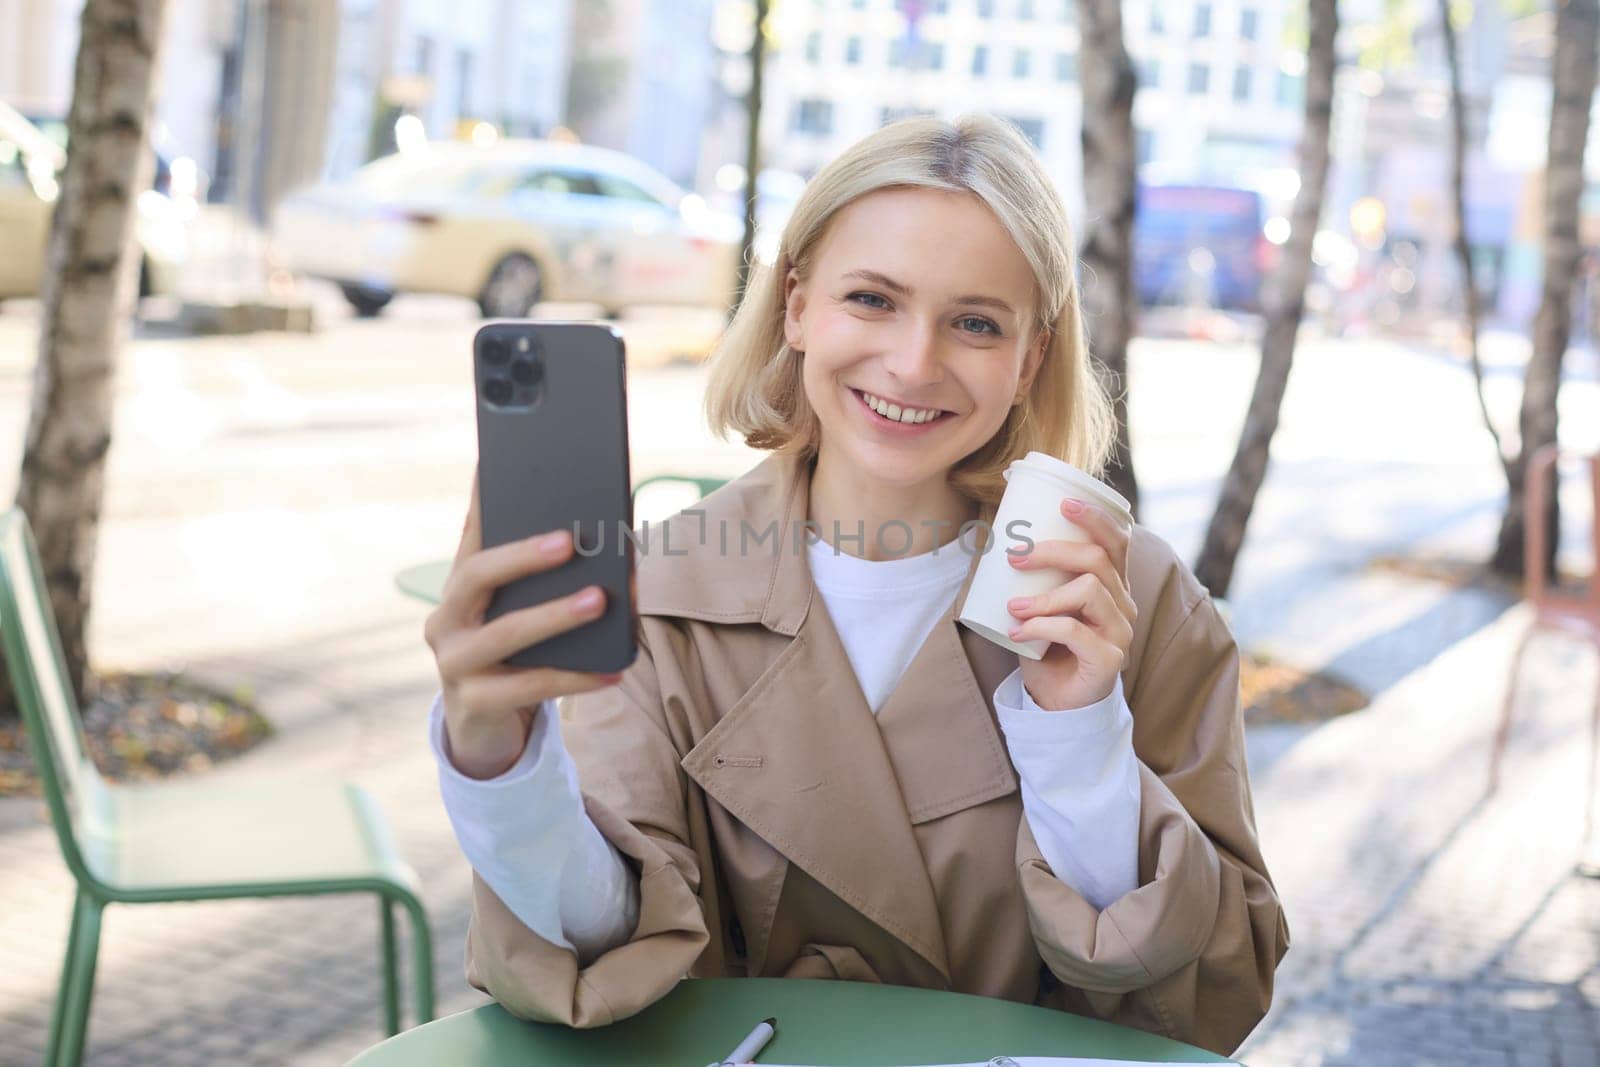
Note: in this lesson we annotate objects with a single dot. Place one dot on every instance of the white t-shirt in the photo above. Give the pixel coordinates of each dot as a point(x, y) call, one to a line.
point(567, 883)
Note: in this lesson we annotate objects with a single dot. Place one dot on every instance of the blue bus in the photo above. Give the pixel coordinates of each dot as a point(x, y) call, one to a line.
point(1200, 245)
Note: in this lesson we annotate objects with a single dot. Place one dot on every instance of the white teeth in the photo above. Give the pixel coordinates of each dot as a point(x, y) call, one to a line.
point(897, 413)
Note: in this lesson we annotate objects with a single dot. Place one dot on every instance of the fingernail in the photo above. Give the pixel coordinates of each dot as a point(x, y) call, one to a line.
point(1019, 603)
point(551, 543)
point(1016, 559)
point(1072, 507)
point(588, 600)
point(1014, 633)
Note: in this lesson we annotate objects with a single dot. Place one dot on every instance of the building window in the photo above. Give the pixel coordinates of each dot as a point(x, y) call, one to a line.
point(980, 60)
point(1025, 10)
point(1068, 11)
point(1144, 142)
point(1241, 84)
point(1202, 20)
point(1199, 78)
point(814, 116)
point(1032, 129)
point(1247, 24)
point(859, 5)
point(424, 57)
point(463, 83)
point(895, 114)
point(1066, 66)
point(941, 7)
point(936, 56)
point(1158, 19)
point(814, 48)
point(986, 9)
point(852, 51)
point(1149, 72)
point(1291, 90)
point(1021, 63)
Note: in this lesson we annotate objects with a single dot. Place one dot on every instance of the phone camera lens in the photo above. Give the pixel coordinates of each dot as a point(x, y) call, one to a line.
point(496, 350)
point(526, 372)
point(498, 390)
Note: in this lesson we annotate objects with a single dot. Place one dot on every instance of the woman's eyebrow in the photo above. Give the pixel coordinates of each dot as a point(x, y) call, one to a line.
point(905, 290)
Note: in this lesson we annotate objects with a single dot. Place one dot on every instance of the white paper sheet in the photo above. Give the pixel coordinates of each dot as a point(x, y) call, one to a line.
point(1024, 1061)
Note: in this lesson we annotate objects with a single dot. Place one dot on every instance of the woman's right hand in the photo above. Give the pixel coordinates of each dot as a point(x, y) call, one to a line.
point(489, 705)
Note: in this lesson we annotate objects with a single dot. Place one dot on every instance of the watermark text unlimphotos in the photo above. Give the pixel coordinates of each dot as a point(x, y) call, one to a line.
point(892, 539)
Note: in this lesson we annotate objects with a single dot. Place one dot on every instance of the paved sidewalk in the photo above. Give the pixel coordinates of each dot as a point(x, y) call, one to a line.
point(1431, 924)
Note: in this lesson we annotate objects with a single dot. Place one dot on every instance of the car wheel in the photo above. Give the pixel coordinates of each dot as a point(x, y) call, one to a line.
point(366, 302)
point(514, 286)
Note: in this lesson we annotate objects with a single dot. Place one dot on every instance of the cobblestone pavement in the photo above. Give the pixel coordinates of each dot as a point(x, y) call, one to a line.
point(1431, 923)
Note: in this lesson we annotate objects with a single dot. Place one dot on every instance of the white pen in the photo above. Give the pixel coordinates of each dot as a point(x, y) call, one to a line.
point(751, 1047)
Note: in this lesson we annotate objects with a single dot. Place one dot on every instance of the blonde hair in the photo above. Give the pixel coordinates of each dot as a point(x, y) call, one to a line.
point(755, 387)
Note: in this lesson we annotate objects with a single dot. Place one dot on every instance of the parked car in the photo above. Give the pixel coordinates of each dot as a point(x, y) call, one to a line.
point(32, 155)
point(1200, 245)
point(509, 225)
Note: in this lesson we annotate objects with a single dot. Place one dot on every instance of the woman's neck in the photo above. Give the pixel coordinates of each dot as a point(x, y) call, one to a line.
point(861, 517)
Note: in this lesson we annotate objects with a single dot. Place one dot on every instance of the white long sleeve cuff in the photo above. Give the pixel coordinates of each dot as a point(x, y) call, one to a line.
point(1080, 787)
point(526, 834)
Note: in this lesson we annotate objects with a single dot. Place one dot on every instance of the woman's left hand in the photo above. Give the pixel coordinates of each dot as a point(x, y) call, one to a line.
point(1088, 618)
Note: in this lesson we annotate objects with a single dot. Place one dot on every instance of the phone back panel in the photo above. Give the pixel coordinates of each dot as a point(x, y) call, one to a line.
point(553, 454)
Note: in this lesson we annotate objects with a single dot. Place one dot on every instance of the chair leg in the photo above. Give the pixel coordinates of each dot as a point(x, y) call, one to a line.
point(391, 977)
point(422, 956)
point(1587, 867)
point(70, 1025)
point(1503, 731)
point(58, 1015)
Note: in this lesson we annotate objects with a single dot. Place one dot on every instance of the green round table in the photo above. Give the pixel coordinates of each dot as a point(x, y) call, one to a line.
point(821, 1023)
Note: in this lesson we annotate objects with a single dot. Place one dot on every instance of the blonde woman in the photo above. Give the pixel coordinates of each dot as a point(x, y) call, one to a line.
point(812, 770)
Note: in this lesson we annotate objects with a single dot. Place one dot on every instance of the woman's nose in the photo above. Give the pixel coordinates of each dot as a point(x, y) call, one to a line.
point(914, 358)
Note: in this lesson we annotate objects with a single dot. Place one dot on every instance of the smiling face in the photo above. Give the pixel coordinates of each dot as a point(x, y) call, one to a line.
point(918, 327)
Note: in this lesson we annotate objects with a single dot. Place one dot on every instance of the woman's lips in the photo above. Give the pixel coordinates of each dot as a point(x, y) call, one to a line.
point(893, 425)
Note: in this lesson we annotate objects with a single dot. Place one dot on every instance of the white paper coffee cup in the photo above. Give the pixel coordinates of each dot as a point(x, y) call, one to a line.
point(1030, 510)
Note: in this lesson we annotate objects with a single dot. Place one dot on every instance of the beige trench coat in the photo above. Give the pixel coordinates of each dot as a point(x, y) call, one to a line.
point(780, 829)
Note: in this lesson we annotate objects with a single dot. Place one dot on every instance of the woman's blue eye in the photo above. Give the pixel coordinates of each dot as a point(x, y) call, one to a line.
point(867, 298)
point(984, 325)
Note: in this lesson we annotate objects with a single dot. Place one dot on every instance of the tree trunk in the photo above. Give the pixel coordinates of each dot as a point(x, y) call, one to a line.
point(752, 150)
point(1463, 246)
point(1108, 82)
point(1285, 301)
point(86, 304)
point(1572, 83)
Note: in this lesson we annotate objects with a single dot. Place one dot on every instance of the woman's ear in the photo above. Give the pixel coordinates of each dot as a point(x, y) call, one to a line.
point(794, 306)
point(1032, 361)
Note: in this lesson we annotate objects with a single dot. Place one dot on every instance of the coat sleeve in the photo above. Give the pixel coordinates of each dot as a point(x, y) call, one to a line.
point(1191, 952)
point(634, 791)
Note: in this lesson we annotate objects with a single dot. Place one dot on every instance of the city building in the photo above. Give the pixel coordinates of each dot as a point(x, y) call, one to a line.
point(262, 96)
point(644, 80)
point(1218, 101)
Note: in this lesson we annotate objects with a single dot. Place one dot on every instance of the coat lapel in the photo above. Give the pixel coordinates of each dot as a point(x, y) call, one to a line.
point(799, 758)
point(938, 725)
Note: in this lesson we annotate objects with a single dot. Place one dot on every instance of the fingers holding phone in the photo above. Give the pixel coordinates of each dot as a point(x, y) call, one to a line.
point(489, 705)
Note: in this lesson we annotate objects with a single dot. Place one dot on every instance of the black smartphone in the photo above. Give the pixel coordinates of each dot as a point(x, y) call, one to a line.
point(553, 455)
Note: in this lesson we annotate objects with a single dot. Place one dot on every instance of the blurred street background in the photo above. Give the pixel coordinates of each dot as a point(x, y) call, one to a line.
point(342, 190)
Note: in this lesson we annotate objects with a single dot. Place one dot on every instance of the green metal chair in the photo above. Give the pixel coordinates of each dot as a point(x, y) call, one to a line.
point(705, 486)
point(177, 842)
point(425, 581)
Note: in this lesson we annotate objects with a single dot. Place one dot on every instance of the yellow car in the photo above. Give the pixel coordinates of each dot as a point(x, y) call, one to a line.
point(509, 225)
point(30, 175)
